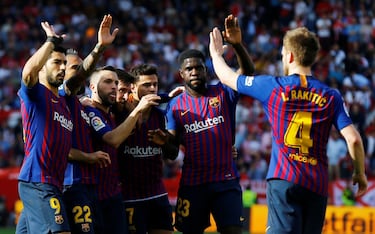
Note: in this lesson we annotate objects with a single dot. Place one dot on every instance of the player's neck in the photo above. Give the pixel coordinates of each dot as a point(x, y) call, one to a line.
point(196, 93)
point(101, 106)
point(300, 70)
point(51, 88)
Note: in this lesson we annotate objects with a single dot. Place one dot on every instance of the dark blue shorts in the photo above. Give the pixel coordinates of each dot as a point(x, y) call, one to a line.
point(195, 203)
point(294, 209)
point(149, 214)
point(81, 203)
point(111, 216)
point(44, 210)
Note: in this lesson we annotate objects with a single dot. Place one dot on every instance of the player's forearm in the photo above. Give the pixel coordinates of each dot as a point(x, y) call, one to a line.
point(226, 75)
point(78, 155)
point(244, 59)
point(358, 155)
point(85, 69)
point(35, 63)
point(355, 148)
point(121, 132)
point(91, 60)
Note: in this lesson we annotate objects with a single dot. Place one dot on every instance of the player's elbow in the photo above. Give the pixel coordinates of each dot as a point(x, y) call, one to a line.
point(351, 135)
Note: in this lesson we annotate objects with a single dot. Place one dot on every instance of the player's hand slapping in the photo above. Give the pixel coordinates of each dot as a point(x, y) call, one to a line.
point(232, 32)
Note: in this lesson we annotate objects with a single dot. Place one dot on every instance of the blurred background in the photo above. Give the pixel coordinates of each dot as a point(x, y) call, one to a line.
point(156, 31)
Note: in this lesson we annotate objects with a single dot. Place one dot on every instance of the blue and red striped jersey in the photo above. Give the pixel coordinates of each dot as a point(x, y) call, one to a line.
point(141, 163)
point(108, 177)
point(206, 126)
point(47, 129)
point(301, 111)
point(79, 172)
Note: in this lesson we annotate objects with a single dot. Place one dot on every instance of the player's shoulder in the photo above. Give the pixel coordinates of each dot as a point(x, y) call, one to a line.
point(92, 111)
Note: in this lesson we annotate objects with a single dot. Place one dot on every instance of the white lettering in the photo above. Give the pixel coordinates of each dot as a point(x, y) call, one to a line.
point(65, 123)
point(199, 126)
point(142, 152)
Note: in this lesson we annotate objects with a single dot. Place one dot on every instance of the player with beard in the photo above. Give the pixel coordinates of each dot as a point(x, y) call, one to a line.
point(47, 128)
point(203, 119)
point(108, 137)
point(141, 161)
point(81, 174)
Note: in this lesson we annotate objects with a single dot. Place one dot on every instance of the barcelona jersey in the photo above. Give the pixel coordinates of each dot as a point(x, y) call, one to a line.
point(206, 126)
point(141, 162)
point(47, 129)
point(79, 172)
point(108, 177)
point(301, 110)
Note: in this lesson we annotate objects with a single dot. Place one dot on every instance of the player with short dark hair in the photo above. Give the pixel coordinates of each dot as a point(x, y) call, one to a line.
point(47, 128)
point(141, 161)
point(203, 119)
point(80, 182)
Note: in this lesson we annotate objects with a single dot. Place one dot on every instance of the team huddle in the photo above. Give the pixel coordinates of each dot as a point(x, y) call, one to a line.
point(95, 164)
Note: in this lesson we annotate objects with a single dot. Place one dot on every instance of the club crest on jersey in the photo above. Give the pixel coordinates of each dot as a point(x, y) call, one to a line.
point(59, 219)
point(214, 102)
point(85, 227)
point(97, 123)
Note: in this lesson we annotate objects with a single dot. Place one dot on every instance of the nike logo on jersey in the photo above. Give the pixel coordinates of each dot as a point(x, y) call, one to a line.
point(185, 112)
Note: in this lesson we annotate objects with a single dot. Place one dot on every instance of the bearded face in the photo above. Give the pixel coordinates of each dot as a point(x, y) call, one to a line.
point(55, 69)
point(194, 73)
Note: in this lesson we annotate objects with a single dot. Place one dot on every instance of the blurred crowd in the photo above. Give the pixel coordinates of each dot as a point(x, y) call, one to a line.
point(156, 31)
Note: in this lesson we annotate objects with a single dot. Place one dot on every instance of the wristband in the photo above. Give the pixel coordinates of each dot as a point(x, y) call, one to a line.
point(55, 40)
point(99, 49)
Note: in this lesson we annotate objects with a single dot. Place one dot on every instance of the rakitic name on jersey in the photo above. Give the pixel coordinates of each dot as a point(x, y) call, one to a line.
point(304, 95)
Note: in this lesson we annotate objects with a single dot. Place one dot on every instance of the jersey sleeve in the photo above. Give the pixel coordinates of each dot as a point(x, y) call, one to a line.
point(28, 94)
point(258, 87)
point(232, 94)
point(341, 116)
point(97, 122)
point(170, 121)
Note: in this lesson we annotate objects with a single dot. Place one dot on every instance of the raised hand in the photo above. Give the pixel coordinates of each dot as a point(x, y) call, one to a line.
point(105, 37)
point(232, 33)
point(50, 31)
point(216, 43)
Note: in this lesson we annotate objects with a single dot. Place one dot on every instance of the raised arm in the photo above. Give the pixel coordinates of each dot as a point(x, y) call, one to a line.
point(232, 34)
point(105, 38)
point(357, 153)
point(35, 63)
point(226, 75)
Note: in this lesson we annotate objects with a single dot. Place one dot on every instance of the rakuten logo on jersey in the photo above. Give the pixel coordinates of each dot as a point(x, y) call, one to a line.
point(199, 126)
point(142, 152)
point(85, 117)
point(65, 123)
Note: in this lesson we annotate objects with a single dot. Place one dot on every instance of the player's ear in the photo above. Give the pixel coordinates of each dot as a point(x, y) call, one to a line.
point(291, 57)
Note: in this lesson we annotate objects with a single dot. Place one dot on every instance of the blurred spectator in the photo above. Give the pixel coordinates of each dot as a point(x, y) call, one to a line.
point(336, 151)
point(156, 33)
